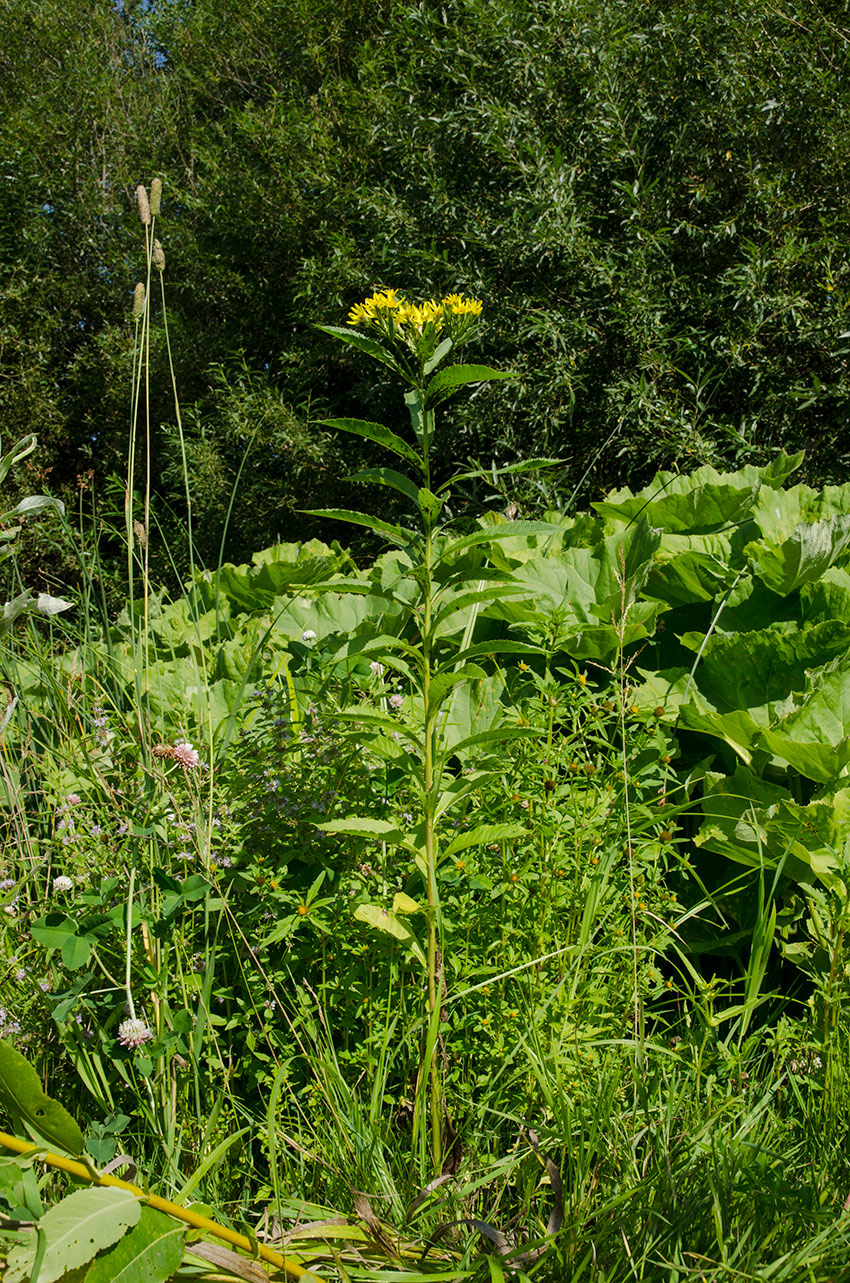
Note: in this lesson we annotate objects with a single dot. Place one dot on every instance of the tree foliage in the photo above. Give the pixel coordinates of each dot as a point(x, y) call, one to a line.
point(650, 200)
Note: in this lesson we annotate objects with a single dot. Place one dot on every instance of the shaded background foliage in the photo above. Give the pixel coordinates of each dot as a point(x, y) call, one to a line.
point(651, 200)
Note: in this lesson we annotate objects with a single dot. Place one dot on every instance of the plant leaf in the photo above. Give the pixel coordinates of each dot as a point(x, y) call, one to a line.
point(150, 1253)
point(363, 343)
point(76, 1229)
point(394, 533)
point(482, 835)
point(21, 1094)
point(453, 377)
point(379, 434)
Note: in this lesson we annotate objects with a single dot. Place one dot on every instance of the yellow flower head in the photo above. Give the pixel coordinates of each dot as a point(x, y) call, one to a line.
point(460, 306)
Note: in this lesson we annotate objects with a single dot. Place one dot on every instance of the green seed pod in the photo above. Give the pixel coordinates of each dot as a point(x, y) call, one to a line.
point(158, 256)
point(138, 300)
point(156, 196)
point(143, 203)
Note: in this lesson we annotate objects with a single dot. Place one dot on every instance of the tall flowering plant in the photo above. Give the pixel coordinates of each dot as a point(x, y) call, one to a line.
point(414, 339)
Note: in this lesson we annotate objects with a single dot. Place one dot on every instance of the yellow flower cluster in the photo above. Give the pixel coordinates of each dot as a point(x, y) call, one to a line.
point(396, 316)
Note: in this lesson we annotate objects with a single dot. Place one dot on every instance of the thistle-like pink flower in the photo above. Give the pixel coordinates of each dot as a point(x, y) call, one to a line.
point(187, 756)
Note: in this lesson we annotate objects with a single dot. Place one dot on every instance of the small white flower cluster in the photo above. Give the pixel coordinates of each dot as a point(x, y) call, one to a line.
point(133, 1032)
point(61, 883)
point(308, 635)
point(103, 733)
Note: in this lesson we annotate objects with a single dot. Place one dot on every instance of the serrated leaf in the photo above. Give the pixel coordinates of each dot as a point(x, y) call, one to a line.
point(454, 377)
point(364, 827)
point(394, 533)
point(483, 835)
point(21, 1094)
point(150, 1253)
point(76, 1229)
point(444, 683)
point(388, 477)
point(378, 433)
point(363, 343)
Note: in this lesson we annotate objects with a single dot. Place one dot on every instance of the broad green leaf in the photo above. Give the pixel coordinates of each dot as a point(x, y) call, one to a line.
point(363, 343)
point(379, 434)
point(19, 451)
point(757, 670)
point(441, 350)
point(453, 377)
point(371, 720)
point(404, 904)
point(474, 708)
point(21, 1094)
point(442, 685)
point(33, 504)
point(429, 504)
point(822, 715)
point(511, 530)
point(483, 835)
point(801, 558)
point(395, 533)
point(366, 827)
point(150, 1253)
point(755, 822)
point(388, 477)
point(819, 761)
point(384, 920)
point(76, 1229)
point(737, 728)
point(527, 465)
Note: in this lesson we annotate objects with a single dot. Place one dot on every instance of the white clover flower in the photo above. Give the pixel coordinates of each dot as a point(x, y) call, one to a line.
point(396, 701)
point(133, 1032)
point(73, 799)
point(377, 669)
point(62, 884)
point(308, 635)
point(187, 756)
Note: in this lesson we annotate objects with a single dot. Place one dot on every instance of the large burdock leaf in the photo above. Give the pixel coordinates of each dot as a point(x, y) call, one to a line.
point(757, 824)
point(801, 558)
point(22, 1095)
point(803, 532)
point(150, 1253)
point(75, 1229)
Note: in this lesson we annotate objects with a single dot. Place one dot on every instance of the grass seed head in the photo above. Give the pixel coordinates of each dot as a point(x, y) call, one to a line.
point(138, 300)
point(143, 203)
point(156, 196)
point(158, 256)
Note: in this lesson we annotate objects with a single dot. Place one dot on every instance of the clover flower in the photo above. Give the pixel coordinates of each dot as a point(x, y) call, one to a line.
point(396, 701)
point(133, 1032)
point(62, 883)
point(308, 635)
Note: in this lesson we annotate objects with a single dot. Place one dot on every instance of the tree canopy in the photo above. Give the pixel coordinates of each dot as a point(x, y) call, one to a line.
point(650, 200)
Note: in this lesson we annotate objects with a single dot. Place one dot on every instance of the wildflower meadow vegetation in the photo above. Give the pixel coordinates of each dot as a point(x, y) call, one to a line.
point(469, 904)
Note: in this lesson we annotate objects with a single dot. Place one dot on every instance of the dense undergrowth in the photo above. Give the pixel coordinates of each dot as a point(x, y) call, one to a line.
point(477, 910)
